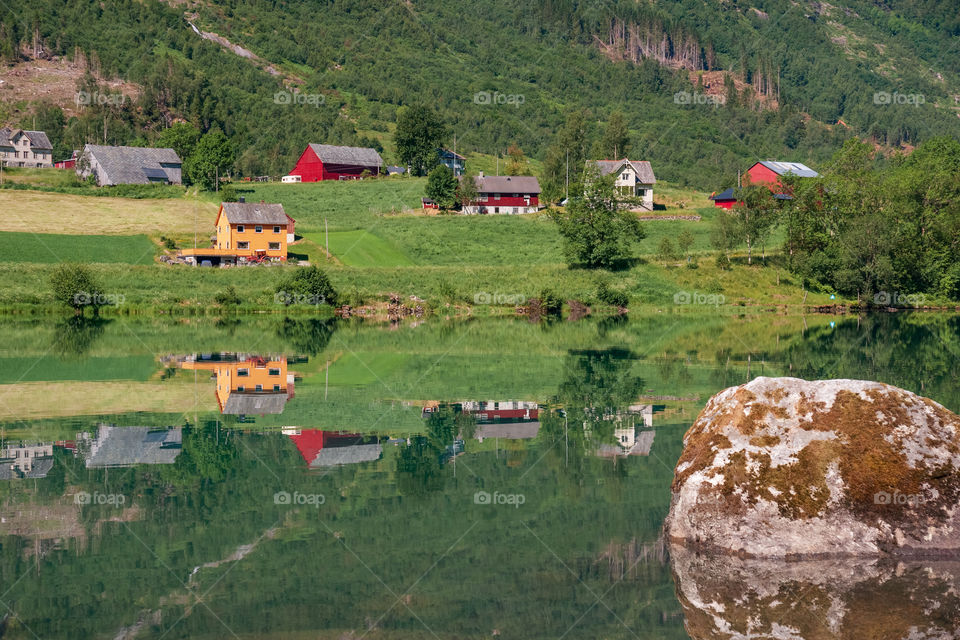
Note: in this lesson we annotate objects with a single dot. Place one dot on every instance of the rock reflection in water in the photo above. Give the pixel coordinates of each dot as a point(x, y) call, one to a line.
point(725, 597)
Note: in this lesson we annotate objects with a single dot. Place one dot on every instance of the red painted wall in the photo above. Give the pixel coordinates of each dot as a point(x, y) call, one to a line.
point(759, 174)
point(311, 169)
point(724, 204)
point(510, 201)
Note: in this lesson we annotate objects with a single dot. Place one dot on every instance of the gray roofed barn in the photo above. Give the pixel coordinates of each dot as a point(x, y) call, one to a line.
point(352, 454)
point(642, 168)
point(256, 403)
point(125, 446)
point(254, 213)
point(129, 165)
point(359, 156)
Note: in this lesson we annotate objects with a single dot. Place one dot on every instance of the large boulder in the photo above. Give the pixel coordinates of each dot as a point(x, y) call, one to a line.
point(782, 467)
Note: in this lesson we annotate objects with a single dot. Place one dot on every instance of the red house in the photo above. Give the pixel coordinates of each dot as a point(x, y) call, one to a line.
point(724, 199)
point(768, 172)
point(328, 162)
point(505, 194)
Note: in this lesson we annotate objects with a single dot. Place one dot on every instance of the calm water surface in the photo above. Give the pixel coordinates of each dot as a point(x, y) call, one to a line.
point(298, 478)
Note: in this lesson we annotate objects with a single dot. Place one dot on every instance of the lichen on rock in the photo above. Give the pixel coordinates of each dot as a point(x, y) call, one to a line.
point(790, 468)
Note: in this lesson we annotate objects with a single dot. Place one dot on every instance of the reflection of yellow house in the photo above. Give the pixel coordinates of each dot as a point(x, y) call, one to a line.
point(247, 384)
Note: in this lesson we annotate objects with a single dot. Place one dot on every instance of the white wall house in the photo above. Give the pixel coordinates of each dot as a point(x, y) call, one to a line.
point(634, 178)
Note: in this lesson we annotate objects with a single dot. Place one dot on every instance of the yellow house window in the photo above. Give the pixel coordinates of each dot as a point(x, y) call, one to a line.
point(274, 246)
point(239, 228)
point(258, 229)
point(276, 229)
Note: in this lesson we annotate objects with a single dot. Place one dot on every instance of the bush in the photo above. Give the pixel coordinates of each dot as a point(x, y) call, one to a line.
point(611, 296)
point(168, 243)
point(551, 303)
point(227, 297)
point(228, 193)
point(308, 285)
point(723, 262)
point(74, 286)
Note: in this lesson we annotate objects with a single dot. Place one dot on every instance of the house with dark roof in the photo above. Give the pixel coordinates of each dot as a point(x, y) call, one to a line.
point(330, 162)
point(247, 232)
point(126, 446)
point(505, 194)
point(454, 161)
point(23, 148)
point(725, 199)
point(129, 165)
point(634, 178)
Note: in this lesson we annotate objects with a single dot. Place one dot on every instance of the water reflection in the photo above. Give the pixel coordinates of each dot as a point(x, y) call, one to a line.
point(114, 446)
point(329, 448)
point(246, 384)
point(23, 460)
point(725, 597)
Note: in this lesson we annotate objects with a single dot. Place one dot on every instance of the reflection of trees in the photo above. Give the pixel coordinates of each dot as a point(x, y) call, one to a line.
point(307, 335)
point(206, 456)
point(72, 338)
point(599, 385)
point(419, 463)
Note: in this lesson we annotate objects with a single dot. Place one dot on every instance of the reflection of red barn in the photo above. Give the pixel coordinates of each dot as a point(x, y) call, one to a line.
point(327, 448)
point(328, 162)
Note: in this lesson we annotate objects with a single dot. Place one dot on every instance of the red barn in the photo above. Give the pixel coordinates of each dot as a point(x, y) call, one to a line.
point(328, 162)
point(505, 194)
point(768, 172)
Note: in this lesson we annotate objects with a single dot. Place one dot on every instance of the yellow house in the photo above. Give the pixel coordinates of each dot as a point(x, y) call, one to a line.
point(247, 232)
point(247, 384)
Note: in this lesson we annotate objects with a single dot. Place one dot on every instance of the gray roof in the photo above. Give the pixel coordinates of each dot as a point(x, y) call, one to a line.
point(257, 403)
point(332, 456)
point(360, 156)
point(642, 167)
point(124, 446)
point(39, 139)
point(507, 430)
point(254, 213)
point(41, 467)
point(796, 168)
point(130, 165)
point(507, 184)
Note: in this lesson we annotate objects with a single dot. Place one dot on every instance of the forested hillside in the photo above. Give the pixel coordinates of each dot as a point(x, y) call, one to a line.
point(705, 87)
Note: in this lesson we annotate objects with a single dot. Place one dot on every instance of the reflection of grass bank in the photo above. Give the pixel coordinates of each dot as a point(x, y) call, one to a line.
point(34, 400)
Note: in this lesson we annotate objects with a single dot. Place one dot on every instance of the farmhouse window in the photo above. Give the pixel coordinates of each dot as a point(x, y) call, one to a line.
point(276, 387)
point(242, 245)
point(243, 373)
point(276, 229)
point(274, 246)
point(239, 228)
point(274, 372)
point(258, 229)
point(496, 196)
point(259, 387)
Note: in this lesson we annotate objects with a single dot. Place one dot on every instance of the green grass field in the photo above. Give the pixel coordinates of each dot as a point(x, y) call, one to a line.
point(52, 248)
point(361, 249)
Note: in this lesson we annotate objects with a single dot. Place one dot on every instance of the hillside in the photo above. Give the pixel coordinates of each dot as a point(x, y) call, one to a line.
point(705, 86)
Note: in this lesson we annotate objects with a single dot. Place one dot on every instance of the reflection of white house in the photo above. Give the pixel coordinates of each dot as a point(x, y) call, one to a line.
point(26, 460)
point(634, 178)
point(634, 437)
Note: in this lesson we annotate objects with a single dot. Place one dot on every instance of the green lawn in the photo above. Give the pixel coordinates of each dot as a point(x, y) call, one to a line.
point(51, 248)
point(361, 249)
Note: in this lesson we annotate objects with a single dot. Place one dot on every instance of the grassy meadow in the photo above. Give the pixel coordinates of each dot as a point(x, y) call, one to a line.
point(380, 242)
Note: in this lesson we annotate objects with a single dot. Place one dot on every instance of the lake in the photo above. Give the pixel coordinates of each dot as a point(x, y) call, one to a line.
point(271, 477)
